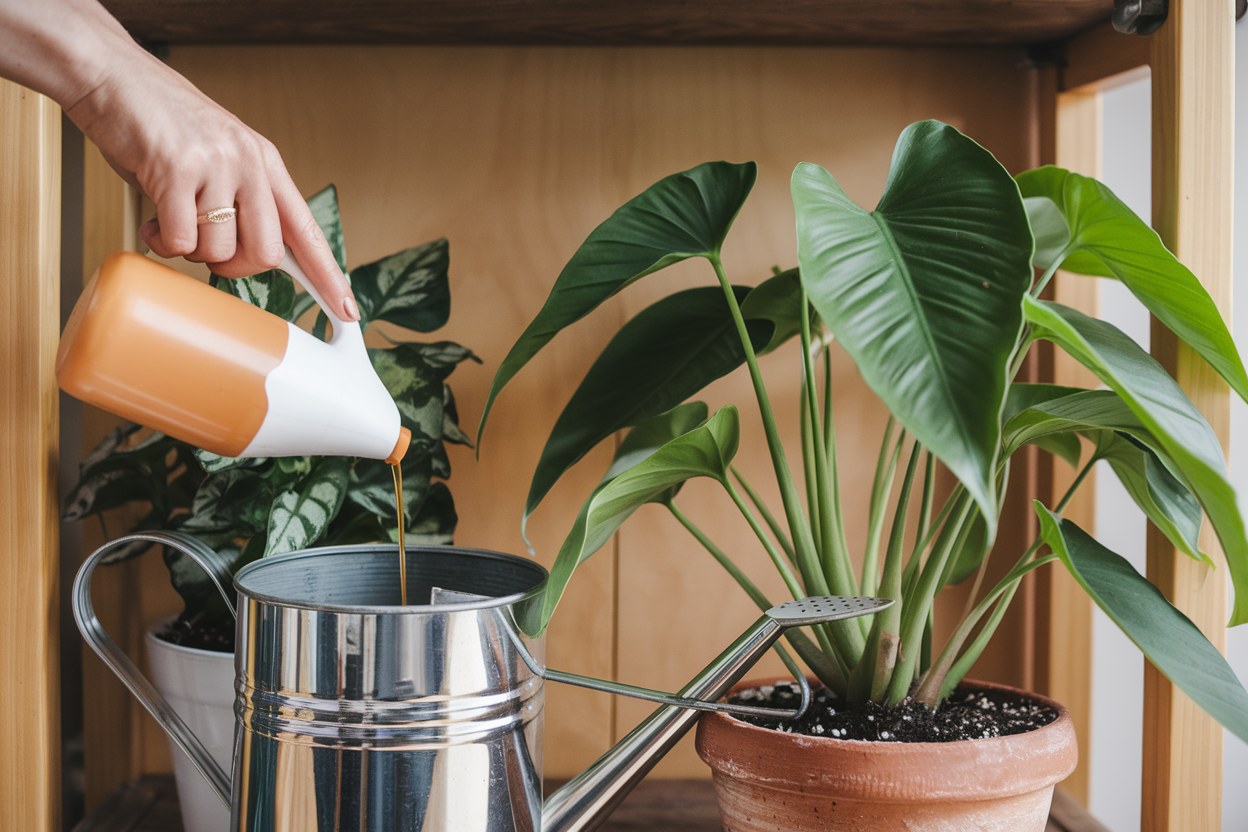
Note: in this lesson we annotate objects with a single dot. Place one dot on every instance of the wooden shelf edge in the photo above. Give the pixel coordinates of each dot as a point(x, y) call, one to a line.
point(610, 22)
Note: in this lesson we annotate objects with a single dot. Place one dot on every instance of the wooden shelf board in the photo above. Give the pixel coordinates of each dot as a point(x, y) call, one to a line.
point(151, 805)
point(609, 22)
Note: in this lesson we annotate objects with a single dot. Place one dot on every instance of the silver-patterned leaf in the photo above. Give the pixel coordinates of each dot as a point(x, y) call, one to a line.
point(409, 289)
point(300, 515)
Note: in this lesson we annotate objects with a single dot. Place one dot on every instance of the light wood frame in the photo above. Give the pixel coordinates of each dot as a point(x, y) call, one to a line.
point(1192, 63)
point(30, 240)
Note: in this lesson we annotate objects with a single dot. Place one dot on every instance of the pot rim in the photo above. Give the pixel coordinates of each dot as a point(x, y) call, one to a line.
point(989, 768)
point(150, 635)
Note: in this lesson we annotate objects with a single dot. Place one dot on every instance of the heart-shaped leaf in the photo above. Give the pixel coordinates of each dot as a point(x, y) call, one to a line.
point(300, 515)
point(1167, 637)
point(668, 352)
point(705, 451)
point(925, 291)
point(681, 216)
point(1162, 407)
point(409, 289)
point(1106, 238)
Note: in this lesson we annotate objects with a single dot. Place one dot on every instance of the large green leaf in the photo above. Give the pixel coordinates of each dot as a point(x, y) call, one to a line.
point(705, 451)
point(1107, 239)
point(1120, 438)
point(1166, 636)
point(301, 514)
point(409, 289)
point(668, 352)
point(925, 291)
point(681, 216)
point(648, 436)
point(1181, 433)
point(1162, 497)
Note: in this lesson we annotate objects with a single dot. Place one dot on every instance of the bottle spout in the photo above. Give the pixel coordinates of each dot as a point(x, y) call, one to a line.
point(586, 801)
point(400, 447)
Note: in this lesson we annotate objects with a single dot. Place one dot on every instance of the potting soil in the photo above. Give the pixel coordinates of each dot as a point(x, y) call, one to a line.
point(965, 715)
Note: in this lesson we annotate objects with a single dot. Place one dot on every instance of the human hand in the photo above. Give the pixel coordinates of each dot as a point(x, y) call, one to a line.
point(190, 156)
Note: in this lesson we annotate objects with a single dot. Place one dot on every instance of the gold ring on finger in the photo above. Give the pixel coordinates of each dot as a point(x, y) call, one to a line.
point(217, 215)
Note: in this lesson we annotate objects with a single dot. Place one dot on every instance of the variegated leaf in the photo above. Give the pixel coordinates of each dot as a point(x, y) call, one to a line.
point(409, 289)
point(273, 291)
point(324, 207)
point(300, 515)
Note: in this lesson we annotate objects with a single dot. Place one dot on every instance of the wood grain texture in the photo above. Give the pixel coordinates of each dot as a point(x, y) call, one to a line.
point(1101, 58)
point(1193, 66)
point(111, 716)
point(30, 193)
point(1064, 610)
point(613, 22)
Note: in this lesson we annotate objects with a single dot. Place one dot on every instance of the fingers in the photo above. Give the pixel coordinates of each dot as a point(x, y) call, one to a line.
point(217, 240)
point(173, 232)
point(308, 243)
point(256, 232)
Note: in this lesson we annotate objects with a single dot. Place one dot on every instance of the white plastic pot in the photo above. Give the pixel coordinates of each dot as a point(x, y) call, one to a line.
point(199, 685)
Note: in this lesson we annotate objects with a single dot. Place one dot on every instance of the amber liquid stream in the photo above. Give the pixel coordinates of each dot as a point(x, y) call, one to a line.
point(398, 501)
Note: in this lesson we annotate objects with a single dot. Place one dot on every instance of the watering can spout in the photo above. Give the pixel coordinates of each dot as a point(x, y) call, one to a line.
point(586, 801)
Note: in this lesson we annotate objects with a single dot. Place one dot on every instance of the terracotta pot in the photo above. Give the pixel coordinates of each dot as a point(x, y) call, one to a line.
point(770, 780)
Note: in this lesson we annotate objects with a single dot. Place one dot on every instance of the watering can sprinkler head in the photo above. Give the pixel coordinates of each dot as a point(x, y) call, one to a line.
point(424, 716)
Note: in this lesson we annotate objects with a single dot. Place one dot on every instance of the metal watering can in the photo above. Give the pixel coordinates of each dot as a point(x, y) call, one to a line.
point(356, 714)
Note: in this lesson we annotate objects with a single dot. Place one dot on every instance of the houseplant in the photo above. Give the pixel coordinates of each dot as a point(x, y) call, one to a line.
point(244, 509)
point(934, 297)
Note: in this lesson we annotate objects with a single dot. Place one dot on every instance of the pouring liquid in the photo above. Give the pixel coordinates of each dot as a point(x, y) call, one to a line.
point(398, 501)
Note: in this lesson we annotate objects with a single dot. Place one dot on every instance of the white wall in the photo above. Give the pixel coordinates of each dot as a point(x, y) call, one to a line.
point(1118, 668)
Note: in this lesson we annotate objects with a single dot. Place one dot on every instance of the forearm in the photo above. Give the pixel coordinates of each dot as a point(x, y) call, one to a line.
point(62, 48)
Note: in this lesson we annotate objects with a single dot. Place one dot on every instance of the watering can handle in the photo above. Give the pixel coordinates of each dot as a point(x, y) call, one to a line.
point(119, 662)
point(346, 336)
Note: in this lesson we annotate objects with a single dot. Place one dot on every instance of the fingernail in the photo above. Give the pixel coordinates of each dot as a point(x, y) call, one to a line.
point(349, 309)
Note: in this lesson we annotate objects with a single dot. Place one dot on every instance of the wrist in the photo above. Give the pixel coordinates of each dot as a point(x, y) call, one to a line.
point(62, 49)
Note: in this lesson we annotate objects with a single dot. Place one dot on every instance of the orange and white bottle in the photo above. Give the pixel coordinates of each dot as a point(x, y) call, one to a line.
point(162, 349)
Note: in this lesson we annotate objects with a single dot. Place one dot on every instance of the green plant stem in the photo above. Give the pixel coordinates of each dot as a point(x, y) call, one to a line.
point(808, 468)
point(929, 692)
point(1074, 486)
point(829, 433)
point(968, 658)
point(1052, 270)
point(731, 568)
point(845, 634)
point(777, 530)
point(781, 565)
point(914, 565)
point(881, 486)
point(871, 678)
point(828, 671)
point(835, 554)
point(918, 602)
